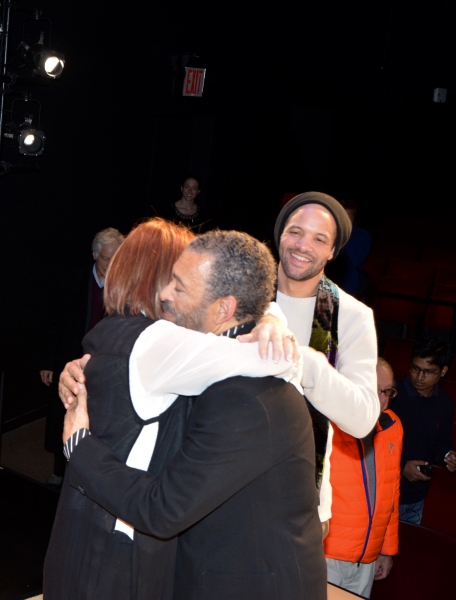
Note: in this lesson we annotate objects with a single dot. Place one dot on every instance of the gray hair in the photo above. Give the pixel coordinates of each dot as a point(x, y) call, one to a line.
point(242, 267)
point(106, 236)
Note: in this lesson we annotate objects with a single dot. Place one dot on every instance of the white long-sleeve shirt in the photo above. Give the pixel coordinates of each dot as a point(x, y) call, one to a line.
point(347, 394)
point(168, 361)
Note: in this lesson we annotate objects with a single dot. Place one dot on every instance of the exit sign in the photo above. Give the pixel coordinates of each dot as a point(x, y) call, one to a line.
point(194, 81)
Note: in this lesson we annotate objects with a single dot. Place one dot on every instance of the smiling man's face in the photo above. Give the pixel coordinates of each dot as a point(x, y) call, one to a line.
point(183, 299)
point(307, 242)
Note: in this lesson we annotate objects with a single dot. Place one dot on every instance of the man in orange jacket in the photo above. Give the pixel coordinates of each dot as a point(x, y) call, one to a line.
point(365, 476)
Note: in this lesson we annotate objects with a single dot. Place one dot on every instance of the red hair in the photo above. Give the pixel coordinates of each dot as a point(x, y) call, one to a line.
point(142, 267)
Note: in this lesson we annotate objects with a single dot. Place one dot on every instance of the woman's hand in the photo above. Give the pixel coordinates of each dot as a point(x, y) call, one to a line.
point(72, 374)
point(271, 329)
point(77, 415)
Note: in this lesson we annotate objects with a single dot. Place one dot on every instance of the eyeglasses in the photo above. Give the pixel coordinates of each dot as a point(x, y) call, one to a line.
point(389, 392)
point(426, 372)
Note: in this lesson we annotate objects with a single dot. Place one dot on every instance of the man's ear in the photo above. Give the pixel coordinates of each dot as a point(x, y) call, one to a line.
point(225, 309)
point(443, 371)
point(95, 256)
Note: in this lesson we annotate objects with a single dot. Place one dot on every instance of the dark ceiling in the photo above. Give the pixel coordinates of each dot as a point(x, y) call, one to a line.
point(333, 95)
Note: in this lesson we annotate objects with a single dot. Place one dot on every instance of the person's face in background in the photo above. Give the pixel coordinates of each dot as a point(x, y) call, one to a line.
point(190, 189)
point(103, 258)
point(424, 375)
point(385, 382)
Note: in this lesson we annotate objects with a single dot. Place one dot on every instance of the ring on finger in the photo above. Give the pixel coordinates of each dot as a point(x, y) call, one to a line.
point(291, 337)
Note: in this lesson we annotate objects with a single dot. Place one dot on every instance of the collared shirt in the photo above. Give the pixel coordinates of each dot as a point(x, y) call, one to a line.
point(99, 283)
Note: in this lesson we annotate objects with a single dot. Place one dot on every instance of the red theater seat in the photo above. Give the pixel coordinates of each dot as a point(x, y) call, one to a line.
point(446, 275)
point(398, 310)
point(448, 387)
point(451, 375)
point(399, 286)
point(444, 293)
point(390, 250)
point(438, 513)
point(439, 317)
point(397, 352)
point(375, 267)
point(438, 257)
point(408, 269)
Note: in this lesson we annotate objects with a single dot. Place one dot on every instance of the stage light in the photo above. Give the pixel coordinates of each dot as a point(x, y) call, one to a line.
point(53, 65)
point(50, 63)
point(44, 62)
point(31, 142)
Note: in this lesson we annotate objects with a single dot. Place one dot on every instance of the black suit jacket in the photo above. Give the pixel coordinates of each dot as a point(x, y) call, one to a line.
point(81, 562)
point(240, 491)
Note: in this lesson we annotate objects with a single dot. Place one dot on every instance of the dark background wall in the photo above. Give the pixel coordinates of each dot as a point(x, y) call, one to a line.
point(327, 95)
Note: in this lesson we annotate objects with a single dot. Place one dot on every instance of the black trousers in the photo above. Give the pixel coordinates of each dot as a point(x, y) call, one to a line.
point(115, 581)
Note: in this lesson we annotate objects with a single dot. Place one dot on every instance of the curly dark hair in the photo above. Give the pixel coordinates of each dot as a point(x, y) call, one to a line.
point(433, 348)
point(242, 267)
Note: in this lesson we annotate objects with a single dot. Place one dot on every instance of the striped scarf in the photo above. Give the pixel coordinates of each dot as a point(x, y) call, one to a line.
point(324, 338)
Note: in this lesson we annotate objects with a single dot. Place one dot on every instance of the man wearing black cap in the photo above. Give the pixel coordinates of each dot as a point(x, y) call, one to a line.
point(339, 379)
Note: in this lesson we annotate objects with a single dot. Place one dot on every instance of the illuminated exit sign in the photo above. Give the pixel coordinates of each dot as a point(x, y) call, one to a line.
point(194, 81)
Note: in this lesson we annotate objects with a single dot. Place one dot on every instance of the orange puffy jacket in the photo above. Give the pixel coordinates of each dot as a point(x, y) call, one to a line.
point(356, 533)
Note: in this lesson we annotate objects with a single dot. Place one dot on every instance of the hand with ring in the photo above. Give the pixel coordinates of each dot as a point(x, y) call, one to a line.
point(271, 329)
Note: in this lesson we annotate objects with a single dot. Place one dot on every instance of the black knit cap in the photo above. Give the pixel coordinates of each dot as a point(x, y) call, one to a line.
point(343, 223)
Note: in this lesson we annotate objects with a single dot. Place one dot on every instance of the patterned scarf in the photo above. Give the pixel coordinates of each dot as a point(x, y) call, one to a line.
point(324, 338)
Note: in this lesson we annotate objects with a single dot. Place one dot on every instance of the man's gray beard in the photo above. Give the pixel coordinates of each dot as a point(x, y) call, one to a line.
point(192, 320)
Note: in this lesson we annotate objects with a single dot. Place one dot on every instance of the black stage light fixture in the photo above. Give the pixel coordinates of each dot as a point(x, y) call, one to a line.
point(28, 134)
point(44, 62)
point(31, 142)
point(50, 63)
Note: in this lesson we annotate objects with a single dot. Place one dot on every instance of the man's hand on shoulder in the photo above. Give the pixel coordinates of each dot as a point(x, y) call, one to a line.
point(411, 472)
point(70, 377)
point(272, 329)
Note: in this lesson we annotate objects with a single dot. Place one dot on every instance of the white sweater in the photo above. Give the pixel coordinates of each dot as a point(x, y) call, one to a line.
point(347, 395)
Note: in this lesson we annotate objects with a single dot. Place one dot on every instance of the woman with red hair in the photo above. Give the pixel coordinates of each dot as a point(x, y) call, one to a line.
point(142, 267)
